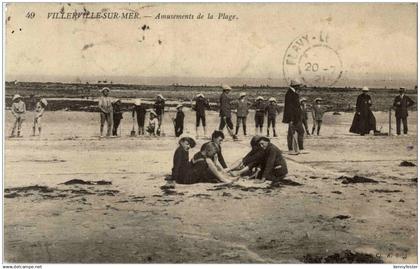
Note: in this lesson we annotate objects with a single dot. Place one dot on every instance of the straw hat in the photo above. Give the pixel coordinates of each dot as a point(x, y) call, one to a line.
point(44, 101)
point(272, 99)
point(178, 106)
point(242, 94)
point(105, 89)
point(226, 87)
point(318, 99)
point(153, 112)
point(16, 96)
point(200, 95)
point(260, 98)
point(161, 96)
point(295, 82)
point(302, 99)
point(137, 101)
point(365, 89)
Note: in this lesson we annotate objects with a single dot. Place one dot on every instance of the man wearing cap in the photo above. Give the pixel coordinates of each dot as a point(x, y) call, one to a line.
point(364, 121)
point(259, 114)
point(39, 111)
point(241, 113)
point(272, 110)
point(304, 107)
point(225, 111)
point(274, 167)
point(18, 110)
point(293, 115)
point(401, 104)
point(179, 120)
point(105, 106)
point(159, 108)
point(201, 104)
point(139, 111)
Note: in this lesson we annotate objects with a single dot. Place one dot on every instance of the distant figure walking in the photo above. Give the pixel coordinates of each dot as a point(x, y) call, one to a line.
point(39, 112)
point(241, 113)
point(364, 121)
point(401, 104)
point(139, 111)
point(201, 104)
point(259, 115)
point(117, 116)
point(272, 110)
point(317, 114)
point(105, 106)
point(293, 116)
point(304, 107)
point(18, 110)
point(226, 111)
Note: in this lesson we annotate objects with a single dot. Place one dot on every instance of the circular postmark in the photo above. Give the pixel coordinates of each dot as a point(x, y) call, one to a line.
point(311, 59)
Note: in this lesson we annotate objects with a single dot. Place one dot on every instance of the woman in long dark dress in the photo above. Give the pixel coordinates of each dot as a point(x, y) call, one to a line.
point(364, 121)
point(203, 167)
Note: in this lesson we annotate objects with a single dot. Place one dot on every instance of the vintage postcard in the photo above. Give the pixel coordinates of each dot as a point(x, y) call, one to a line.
point(278, 133)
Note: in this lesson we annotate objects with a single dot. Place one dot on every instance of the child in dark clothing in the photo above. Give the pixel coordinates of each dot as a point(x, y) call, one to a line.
point(117, 116)
point(181, 165)
point(179, 121)
point(251, 163)
point(139, 110)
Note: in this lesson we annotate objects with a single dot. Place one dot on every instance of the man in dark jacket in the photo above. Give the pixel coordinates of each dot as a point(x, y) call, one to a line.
point(293, 116)
point(275, 166)
point(201, 104)
point(226, 111)
point(401, 105)
point(159, 108)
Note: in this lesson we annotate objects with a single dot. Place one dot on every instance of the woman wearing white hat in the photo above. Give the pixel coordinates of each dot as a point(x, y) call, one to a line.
point(139, 111)
point(18, 110)
point(39, 112)
point(364, 121)
point(241, 113)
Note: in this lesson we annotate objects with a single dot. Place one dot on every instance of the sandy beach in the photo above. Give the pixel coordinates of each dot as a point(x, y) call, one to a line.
point(320, 213)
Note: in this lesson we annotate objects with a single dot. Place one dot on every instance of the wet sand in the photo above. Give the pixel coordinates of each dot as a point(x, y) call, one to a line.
point(123, 216)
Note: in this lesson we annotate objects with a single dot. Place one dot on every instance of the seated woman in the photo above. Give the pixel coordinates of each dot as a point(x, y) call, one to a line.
point(250, 164)
point(204, 169)
point(181, 165)
point(274, 166)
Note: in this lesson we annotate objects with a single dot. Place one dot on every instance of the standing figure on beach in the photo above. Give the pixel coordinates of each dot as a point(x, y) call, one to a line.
point(18, 110)
point(139, 111)
point(364, 121)
point(272, 110)
point(259, 115)
point(226, 111)
point(201, 104)
point(179, 120)
point(293, 116)
point(401, 104)
point(39, 111)
point(317, 114)
point(117, 115)
point(159, 108)
point(241, 113)
point(304, 107)
point(105, 106)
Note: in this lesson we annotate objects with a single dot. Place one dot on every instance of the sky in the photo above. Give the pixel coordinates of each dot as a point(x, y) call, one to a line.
point(376, 43)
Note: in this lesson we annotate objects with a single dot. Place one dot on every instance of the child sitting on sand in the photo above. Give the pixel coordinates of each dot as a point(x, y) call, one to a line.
point(204, 169)
point(181, 165)
point(153, 128)
point(39, 111)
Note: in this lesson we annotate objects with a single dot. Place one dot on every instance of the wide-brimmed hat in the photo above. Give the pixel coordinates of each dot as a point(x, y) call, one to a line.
point(295, 82)
point(117, 100)
point(105, 89)
point(161, 96)
point(137, 101)
point(260, 98)
point(179, 105)
point(190, 140)
point(402, 89)
point(200, 95)
point(263, 138)
point(318, 99)
point(272, 99)
point(242, 94)
point(153, 112)
point(365, 89)
point(302, 99)
point(44, 101)
point(226, 87)
point(16, 96)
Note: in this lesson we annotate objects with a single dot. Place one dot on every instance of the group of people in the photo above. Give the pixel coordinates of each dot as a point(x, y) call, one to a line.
point(264, 162)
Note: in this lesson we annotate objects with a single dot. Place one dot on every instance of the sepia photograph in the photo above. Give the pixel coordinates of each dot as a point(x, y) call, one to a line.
point(210, 133)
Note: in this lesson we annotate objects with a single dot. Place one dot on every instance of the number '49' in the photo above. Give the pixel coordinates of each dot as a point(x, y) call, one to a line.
point(30, 15)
